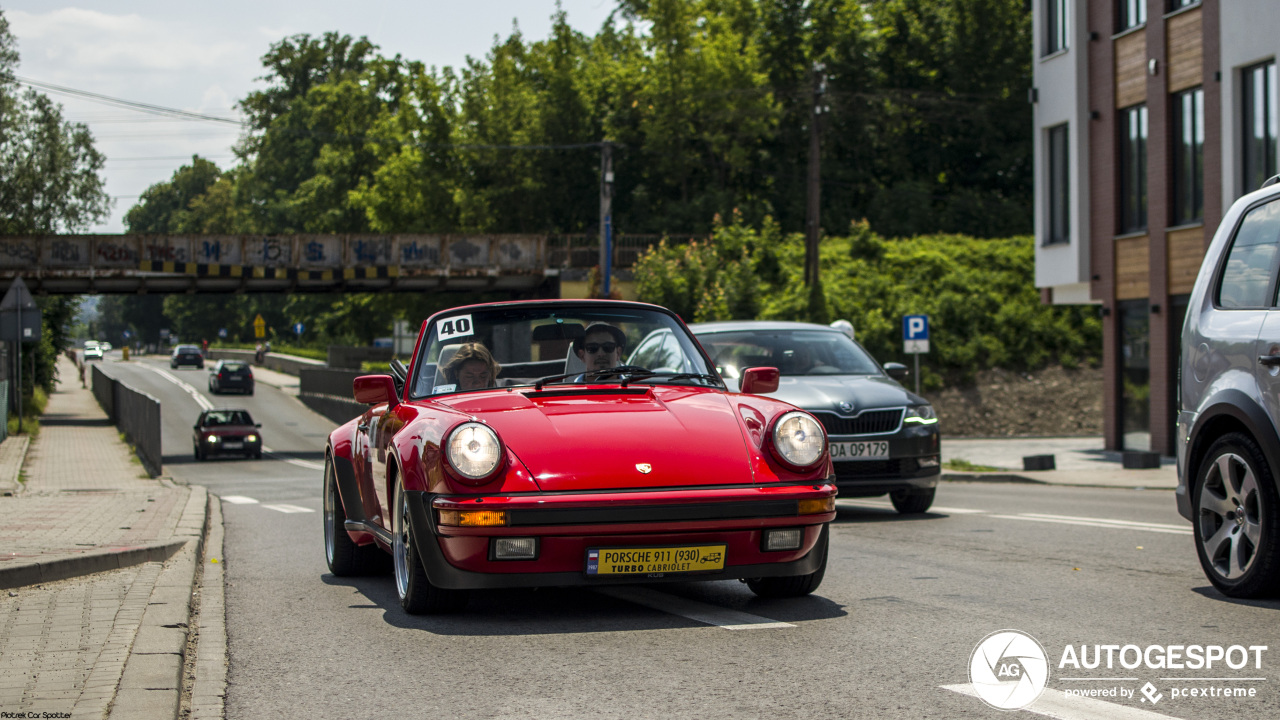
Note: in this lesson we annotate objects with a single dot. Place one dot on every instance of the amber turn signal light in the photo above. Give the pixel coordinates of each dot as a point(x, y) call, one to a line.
point(814, 507)
point(473, 518)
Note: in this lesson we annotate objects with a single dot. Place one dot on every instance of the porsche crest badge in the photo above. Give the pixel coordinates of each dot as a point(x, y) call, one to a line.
point(645, 468)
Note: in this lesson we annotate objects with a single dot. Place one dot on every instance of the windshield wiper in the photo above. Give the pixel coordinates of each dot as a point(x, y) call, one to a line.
point(672, 376)
point(624, 370)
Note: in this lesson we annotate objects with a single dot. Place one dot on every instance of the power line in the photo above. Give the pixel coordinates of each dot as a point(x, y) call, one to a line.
point(130, 104)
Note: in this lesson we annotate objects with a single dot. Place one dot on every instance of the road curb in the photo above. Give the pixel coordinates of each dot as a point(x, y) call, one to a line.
point(992, 478)
point(151, 682)
point(209, 685)
point(93, 561)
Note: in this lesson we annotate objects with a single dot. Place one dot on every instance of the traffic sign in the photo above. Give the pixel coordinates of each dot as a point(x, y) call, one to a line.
point(915, 334)
point(222, 332)
point(259, 327)
point(128, 334)
point(298, 328)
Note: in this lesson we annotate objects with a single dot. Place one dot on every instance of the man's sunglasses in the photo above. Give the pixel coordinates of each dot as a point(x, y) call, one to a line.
point(597, 347)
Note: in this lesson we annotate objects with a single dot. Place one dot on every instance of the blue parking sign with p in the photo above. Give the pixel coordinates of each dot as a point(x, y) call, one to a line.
point(915, 334)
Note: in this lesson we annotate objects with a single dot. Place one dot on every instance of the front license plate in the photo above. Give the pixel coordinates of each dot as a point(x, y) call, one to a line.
point(233, 445)
point(874, 450)
point(654, 560)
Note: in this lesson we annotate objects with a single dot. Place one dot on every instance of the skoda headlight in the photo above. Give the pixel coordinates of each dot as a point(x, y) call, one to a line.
point(473, 450)
point(799, 439)
point(921, 414)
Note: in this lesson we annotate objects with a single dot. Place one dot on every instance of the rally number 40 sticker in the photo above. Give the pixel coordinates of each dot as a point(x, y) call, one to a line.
point(454, 327)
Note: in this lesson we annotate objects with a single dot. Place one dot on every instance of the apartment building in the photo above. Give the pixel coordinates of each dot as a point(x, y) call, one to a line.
point(1151, 118)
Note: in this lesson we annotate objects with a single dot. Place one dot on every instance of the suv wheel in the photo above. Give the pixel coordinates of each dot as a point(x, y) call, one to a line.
point(1237, 519)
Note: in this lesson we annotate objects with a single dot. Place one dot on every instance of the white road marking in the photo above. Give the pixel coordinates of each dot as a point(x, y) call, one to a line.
point(887, 504)
point(201, 400)
point(294, 461)
point(692, 609)
point(1057, 704)
point(1123, 523)
point(287, 508)
point(1098, 523)
point(239, 500)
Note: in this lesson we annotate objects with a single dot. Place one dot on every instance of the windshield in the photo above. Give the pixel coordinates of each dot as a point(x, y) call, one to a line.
point(227, 417)
point(483, 348)
point(793, 352)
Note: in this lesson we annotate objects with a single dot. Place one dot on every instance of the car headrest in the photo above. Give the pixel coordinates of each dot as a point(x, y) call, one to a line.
point(573, 363)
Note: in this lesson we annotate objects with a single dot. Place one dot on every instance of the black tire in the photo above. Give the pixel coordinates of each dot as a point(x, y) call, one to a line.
point(909, 502)
point(796, 585)
point(417, 595)
point(1236, 519)
point(198, 453)
point(344, 556)
point(249, 391)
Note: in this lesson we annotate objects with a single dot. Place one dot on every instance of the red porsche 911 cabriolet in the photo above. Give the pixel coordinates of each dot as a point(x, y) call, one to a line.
point(523, 446)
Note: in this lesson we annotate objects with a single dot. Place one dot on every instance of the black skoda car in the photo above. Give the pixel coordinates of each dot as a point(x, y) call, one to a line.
point(883, 438)
point(230, 375)
point(186, 355)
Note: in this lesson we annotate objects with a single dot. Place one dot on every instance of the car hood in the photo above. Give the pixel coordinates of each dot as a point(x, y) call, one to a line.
point(825, 392)
point(658, 437)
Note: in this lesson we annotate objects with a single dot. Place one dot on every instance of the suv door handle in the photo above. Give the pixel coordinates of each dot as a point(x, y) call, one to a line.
point(1269, 360)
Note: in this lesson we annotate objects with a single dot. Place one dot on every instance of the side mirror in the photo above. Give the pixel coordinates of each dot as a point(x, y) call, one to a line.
point(375, 390)
point(759, 380)
point(897, 371)
point(257, 424)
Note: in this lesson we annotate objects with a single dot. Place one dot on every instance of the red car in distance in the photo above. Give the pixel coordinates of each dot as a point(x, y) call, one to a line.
point(520, 449)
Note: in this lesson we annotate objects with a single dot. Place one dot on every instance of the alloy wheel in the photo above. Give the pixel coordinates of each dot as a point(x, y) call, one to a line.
point(1230, 525)
point(400, 543)
point(330, 502)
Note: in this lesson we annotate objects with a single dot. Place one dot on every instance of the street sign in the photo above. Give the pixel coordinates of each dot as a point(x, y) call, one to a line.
point(128, 334)
point(259, 327)
point(298, 328)
point(915, 334)
point(164, 332)
point(222, 333)
point(19, 315)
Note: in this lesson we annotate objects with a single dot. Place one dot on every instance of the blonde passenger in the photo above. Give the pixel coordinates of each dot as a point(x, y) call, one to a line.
point(472, 368)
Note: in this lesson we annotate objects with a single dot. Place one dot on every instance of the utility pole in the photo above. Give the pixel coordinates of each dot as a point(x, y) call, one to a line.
point(606, 216)
point(817, 307)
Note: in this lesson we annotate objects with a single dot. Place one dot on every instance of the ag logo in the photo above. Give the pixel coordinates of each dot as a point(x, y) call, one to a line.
point(1008, 670)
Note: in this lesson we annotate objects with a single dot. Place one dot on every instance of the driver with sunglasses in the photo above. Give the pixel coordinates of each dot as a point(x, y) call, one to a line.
point(600, 346)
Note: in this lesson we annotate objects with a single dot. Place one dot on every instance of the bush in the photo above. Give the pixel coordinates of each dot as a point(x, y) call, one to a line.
point(983, 307)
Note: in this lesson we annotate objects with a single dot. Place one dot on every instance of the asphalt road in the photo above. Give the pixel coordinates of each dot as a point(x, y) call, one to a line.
point(893, 626)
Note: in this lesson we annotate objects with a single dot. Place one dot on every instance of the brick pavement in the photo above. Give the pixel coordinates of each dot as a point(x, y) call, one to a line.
point(98, 562)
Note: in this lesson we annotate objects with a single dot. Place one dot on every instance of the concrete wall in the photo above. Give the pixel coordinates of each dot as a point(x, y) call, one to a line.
point(341, 356)
point(288, 364)
point(135, 413)
point(329, 392)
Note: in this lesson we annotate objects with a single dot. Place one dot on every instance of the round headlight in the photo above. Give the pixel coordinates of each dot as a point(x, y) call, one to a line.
point(473, 450)
point(799, 439)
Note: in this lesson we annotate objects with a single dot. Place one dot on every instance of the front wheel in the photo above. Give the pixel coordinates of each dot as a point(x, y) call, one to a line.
point(1236, 514)
point(344, 556)
point(909, 502)
point(796, 585)
point(417, 595)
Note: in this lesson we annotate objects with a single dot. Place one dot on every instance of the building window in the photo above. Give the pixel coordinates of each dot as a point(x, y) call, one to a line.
point(1133, 169)
point(1260, 124)
point(1132, 13)
point(1188, 156)
point(1179, 4)
point(1058, 228)
point(1055, 25)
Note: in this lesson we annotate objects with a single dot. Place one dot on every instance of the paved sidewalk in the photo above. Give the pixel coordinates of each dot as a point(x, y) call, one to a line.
point(283, 381)
point(1078, 461)
point(97, 565)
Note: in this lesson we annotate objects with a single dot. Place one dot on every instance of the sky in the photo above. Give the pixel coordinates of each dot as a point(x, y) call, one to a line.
point(203, 57)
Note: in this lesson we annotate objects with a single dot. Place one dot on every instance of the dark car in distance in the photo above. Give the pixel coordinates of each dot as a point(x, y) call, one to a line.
point(230, 375)
point(883, 438)
point(226, 432)
point(186, 355)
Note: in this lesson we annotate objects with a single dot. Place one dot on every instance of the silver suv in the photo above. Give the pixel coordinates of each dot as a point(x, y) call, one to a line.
point(1228, 445)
